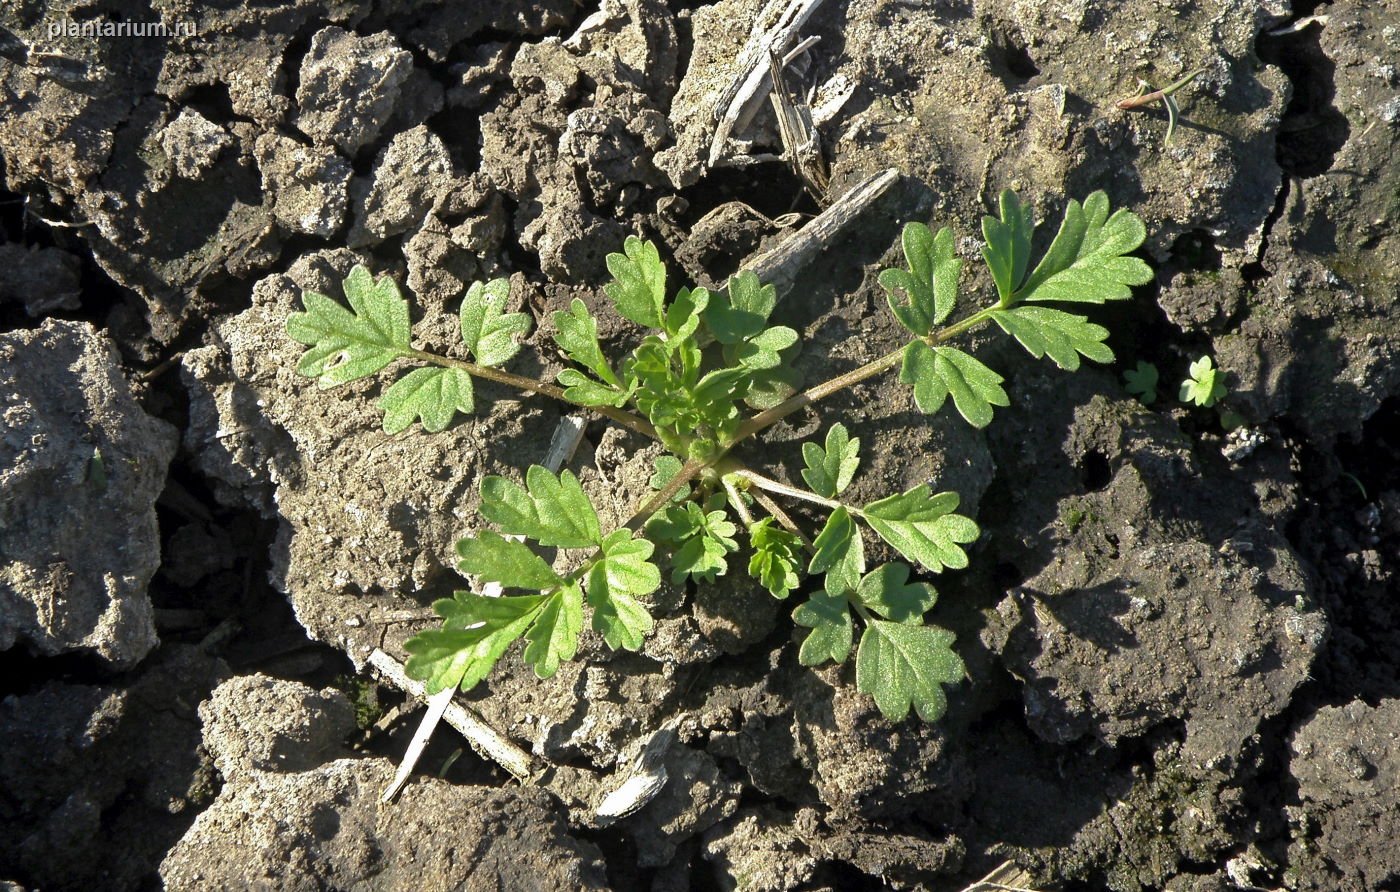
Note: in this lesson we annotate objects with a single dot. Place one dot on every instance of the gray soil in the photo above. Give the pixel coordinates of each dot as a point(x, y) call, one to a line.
point(1183, 645)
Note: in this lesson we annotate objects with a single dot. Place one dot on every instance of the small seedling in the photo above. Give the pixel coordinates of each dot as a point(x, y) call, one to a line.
point(708, 361)
point(1142, 382)
point(1146, 96)
point(1206, 384)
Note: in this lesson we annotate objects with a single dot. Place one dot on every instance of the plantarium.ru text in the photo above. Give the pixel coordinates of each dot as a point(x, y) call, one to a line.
point(711, 373)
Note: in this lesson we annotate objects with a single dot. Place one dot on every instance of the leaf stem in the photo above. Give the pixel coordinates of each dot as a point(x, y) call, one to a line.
point(792, 491)
point(736, 500)
point(811, 395)
point(777, 511)
point(622, 417)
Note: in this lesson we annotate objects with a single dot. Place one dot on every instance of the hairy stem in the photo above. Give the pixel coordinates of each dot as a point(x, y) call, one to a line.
point(768, 417)
point(777, 511)
point(736, 500)
point(783, 489)
point(622, 417)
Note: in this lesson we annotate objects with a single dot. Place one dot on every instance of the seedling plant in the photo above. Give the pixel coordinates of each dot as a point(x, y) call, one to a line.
point(711, 373)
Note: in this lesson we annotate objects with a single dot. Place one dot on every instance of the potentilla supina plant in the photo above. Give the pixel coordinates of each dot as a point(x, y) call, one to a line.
point(709, 374)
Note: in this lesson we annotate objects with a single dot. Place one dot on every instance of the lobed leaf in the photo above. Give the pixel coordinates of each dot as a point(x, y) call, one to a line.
point(743, 312)
point(487, 330)
point(930, 284)
point(683, 316)
point(700, 539)
point(923, 527)
point(576, 333)
point(761, 351)
point(900, 664)
point(623, 572)
point(639, 287)
point(1064, 337)
point(1204, 387)
point(1085, 262)
point(553, 510)
point(491, 557)
point(350, 344)
point(888, 591)
point(433, 394)
point(553, 637)
point(1008, 249)
point(477, 630)
point(829, 471)
point(839, 552)
point(775, 559)
point(937, 372)
point(1141, 381)
point(829, 618)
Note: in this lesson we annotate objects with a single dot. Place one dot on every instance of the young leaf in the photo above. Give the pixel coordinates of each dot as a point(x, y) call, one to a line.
point(622, 573)
point(829, 471)
point(830, 621)
point(930, 285)
point(576, 333)
point(487, 330)
point(901, 664)
point(1086, 261)
point(743, 312)
point(434, 394)
point(554, 636)
point(936, 372)
point(667, 467)
point(701, 539)
point(683, 316)
point(761, 350)
point(923, 527)
point(776, 554)
point(491, 557)
point(1008, 250)
point(1204, 386)
point(839, 552)
point(350, 344)
point(1062, 336)
point(552, 511)
point(639, 289)
point(1142, 382)
point(888, 591)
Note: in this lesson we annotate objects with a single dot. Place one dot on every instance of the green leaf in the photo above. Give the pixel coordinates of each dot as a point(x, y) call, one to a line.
point(1142, 382)
point(623, 572)
point(839, 552)
point(930, 285)
point(553, 510)
point(888, 591)
point(1063, 337)
point(1008, 250)
point(683, 316)
point(1085, 262)
point(477, 630)
point(1204, 386)
point(554, 636)
point(776, 556)
point(829, 471)
point(639, 289)
point(923, 527)
point(350, 344)
point(936, 372)
point(901, 664)
point(576, 333)
point(743, 312)
point(701, 539)
point(768, 387)
point(487, 330)
point(491, 557)
point(434, 394)
point(830, 621)
point(761, 351)
point(583, 390)
point(667, 467)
